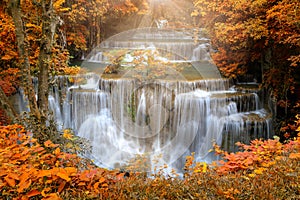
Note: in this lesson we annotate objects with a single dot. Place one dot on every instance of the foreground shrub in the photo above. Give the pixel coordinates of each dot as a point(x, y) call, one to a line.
point(28, 170)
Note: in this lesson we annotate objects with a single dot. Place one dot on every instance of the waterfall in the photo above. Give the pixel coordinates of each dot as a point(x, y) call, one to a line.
point(182, 106)
point(123, 118)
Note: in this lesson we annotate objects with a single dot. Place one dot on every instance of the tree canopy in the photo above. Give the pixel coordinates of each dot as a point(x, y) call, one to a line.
point(254, 36)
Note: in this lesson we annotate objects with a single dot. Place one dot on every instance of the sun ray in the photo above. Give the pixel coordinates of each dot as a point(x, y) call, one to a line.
point(174, 12)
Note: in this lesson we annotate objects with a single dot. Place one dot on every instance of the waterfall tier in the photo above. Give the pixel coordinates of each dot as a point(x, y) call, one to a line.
point(124, 117)
point(156, 93)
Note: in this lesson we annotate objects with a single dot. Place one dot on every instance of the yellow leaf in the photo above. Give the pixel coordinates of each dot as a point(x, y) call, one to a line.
point(29, 25)
point(44, 191)
point(195, 13)
point(67, 134)
point(64, 9)
point(259, 170)
point(204, 169)
point(245, 177)
point(58, 3)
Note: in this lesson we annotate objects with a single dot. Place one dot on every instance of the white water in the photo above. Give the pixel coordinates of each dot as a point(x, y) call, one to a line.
point(165, 120)
point(162, 119)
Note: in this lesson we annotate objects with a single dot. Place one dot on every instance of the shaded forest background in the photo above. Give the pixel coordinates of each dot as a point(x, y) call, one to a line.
point(252, 40)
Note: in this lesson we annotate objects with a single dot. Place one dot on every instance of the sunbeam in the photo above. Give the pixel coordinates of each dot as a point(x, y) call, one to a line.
point(167, 14)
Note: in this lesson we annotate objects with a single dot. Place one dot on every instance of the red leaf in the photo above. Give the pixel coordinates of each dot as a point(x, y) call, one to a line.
point(33, 193)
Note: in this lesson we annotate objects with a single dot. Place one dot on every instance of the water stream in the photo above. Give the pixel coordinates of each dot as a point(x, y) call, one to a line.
point(160, 97)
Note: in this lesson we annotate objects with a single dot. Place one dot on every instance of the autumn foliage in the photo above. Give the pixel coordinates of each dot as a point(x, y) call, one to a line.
point(248, 36)
point(258, 37)
point(29, 170)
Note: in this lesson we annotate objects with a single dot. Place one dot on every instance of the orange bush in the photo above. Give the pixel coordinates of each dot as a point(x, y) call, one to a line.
point(9, 80)
point(28, 170)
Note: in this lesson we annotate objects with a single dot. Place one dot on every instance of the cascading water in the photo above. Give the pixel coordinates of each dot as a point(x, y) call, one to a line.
point(156, 94)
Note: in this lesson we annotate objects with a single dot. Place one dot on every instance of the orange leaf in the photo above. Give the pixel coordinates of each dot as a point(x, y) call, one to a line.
point(120, 176)
point(24, 176)
point(52, 196)
point(294, 155)
point(49, 143)
point(81, 183)
point(23, 185)
point(61, 186)
point(71, 170)
point(2, 172)
point(6, 57)
point(83, 177)
point(56, 151)
point(44, 173)
point(63, 175)
point(13, 175)
point(33, 193)
point(104, 185)
point(24, 198)
point(38, 149)
point(17, 155)
point(11, 182)
point(96, 186)
point(102, 179)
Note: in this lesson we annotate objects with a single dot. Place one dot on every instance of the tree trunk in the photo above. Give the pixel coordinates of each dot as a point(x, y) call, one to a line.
point(7, 107)
point(98, 30)
point(49, 24)
point(16, 14)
